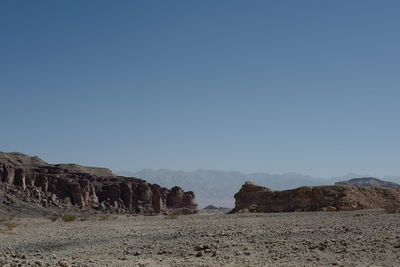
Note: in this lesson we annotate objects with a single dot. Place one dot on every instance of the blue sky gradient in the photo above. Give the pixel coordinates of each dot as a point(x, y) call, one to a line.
point(270, 86)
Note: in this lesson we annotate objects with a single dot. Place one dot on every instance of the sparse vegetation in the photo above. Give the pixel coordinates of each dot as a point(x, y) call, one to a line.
point(53, 218)
point(69, 218)
point(7, 225)
point(80, 255)
point(72, 217)
point(85, 217)
point(6, 219)
point(392, 208)
point(171, 216)
point(104, 217)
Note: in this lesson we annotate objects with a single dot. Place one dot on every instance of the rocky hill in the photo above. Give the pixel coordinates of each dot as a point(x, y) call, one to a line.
point(370, 181)
point(255, 198)
point(29, 182)
point(214, 209)
point(216, 187)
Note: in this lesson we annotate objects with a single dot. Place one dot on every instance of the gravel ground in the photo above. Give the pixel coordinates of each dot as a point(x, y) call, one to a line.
point(362, 238)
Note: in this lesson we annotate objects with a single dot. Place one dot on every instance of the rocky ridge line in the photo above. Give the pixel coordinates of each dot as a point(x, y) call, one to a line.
point(255, 198)
point(368, 181)
point(81, 188)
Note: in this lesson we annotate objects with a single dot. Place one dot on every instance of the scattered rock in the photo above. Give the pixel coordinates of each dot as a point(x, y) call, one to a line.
point(63, 264)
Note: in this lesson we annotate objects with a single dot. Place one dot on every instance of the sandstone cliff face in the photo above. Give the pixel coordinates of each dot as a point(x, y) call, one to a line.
point(87, 188)
point(255, 198)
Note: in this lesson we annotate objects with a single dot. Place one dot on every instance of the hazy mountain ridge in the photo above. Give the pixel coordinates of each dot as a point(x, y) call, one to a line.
point(368, 181)
point(216, 187)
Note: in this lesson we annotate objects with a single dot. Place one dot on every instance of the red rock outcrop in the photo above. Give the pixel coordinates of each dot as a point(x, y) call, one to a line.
point(255, 198)
point(87, 188)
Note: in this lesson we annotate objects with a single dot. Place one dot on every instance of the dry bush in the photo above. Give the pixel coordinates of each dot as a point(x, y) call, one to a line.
point(72, 217)
point(53, 218)
point(392, 208)
point(85, 217)
point(68, 218)
point(7, 225)
point(171, 216)
point(6, 218)
point(104, 217)
point(79, 255)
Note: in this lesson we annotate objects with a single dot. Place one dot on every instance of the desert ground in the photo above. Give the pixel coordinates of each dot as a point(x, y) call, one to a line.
point(358, 238)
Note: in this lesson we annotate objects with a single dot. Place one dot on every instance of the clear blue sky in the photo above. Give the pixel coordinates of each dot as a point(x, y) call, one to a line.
point(273, 86)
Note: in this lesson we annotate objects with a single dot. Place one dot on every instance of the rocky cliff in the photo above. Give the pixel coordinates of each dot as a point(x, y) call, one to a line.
point(369, 181)
point(85, 188)
point(255, 198)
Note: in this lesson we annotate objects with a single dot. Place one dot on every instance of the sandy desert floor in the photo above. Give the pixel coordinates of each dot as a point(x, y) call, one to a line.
point(361, 238)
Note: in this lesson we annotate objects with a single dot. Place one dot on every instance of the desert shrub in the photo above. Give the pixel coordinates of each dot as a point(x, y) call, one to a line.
point(6, 218)
point(104, 217)
point(10, 225)
point(53, 218)
point(80, 255)
point(171, 216)
point(68, 218)
point(392, 208)
point(7, 225)
point(85, 217)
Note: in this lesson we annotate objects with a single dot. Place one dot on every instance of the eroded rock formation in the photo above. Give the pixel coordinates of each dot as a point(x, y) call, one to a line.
point(255, 198)
point(87, 188)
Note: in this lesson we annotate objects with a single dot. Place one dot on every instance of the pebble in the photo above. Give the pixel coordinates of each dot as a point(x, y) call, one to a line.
point(305, 239)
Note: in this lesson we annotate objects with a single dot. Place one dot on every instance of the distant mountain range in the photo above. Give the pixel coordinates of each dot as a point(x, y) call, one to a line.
point(214, 187)
point(368, 181)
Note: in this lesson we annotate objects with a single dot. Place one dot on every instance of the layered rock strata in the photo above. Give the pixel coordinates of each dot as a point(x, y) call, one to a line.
point(255, 198)
point(87, 188)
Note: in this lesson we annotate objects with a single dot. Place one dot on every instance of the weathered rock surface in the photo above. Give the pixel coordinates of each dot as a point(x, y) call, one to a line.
point(85, 188)
point(255, 198)
point(369, 181)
